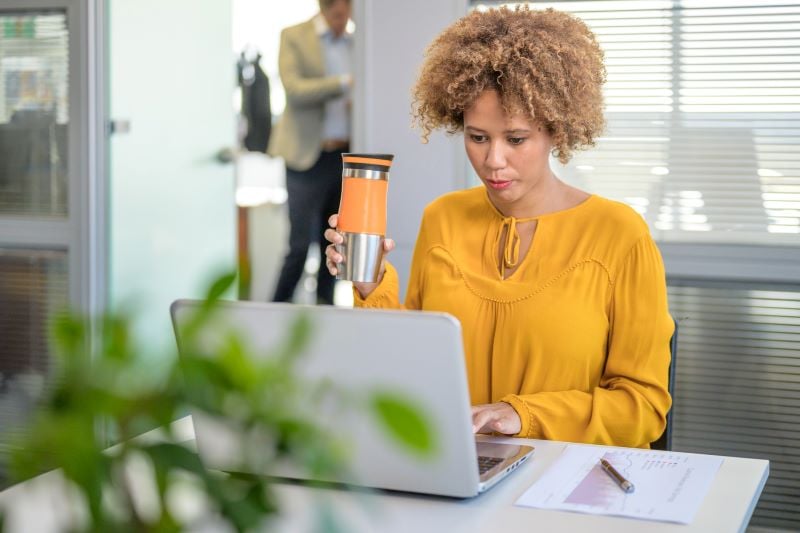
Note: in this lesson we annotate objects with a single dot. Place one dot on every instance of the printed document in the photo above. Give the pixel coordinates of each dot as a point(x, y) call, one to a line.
point(669, 486)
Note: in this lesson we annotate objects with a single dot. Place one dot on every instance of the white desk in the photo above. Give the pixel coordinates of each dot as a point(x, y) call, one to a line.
point(33, 506)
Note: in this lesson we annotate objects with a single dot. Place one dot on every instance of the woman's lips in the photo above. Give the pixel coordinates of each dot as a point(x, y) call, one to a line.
point(498, 184)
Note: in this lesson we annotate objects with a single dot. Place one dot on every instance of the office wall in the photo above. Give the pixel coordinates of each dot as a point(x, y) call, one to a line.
point(390, 40)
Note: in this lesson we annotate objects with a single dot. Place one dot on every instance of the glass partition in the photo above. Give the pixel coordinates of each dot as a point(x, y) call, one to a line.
point(34, 113)
point(33, 286)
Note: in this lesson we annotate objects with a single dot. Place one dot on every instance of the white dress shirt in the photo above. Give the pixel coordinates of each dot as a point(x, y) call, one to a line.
point(338, 52)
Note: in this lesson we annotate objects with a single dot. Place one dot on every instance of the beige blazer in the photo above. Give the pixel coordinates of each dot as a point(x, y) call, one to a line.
point(298, 135)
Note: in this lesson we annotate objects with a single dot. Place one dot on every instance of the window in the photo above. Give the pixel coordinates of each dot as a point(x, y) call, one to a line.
point(34, 114)
point(33, 286)
point(44, 200)
point(703, 109)
point(737, 388)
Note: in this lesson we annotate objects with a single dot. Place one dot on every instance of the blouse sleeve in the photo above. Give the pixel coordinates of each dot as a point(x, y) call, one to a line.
point(385, 295)
point(630, 404)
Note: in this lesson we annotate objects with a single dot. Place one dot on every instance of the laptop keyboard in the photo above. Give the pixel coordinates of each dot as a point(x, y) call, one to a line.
point(487, 463)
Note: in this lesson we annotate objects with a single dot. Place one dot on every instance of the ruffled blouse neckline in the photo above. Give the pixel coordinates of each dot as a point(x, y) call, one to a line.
point(508, 225)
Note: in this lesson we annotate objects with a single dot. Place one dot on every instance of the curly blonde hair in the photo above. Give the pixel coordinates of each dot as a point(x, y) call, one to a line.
point(545, 64)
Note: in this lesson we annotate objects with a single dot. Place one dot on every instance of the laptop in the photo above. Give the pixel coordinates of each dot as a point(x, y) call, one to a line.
point(414, 354)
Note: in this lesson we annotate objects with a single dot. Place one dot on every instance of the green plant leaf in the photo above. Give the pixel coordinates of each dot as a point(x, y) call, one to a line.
point(297, 338)
point(404, 422)
point(172, 455)
point(219, 287)
point(69, 333)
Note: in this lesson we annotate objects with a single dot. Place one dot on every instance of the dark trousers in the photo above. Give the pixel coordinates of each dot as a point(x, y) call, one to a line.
point(313, 197)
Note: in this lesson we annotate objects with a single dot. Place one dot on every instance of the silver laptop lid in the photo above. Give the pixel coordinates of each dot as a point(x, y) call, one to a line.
point(418, 355)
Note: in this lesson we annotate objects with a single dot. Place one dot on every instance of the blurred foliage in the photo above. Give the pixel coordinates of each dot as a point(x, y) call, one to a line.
point(403, 422)
point(105, 386)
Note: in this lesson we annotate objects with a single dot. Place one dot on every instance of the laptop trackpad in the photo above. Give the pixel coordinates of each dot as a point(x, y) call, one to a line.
point(498, 459)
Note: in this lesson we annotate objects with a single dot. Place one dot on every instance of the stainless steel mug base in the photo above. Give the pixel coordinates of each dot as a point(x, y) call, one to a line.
point(362, 254)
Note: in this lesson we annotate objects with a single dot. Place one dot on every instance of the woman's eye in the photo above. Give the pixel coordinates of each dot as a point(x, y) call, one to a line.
point(516, 140)
point(478, 138)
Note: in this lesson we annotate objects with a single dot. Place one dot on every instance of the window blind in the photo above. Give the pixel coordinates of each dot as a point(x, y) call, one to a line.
point(737, 389)
point(33, 285)
point(35, 63)
point(34, 114)
point(703, 109)
point(35, 236)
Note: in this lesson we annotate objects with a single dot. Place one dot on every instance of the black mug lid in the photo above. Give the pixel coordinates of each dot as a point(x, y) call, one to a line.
point(378, 162)
point(386, 157)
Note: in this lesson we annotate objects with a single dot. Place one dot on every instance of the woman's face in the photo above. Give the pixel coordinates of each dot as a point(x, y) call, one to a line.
point(510, 154)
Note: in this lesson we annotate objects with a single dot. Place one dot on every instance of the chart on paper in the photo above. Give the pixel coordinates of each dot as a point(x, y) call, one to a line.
point(669, 486)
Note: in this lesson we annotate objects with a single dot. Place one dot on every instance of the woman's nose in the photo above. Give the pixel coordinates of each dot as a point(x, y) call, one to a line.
point(495, 158)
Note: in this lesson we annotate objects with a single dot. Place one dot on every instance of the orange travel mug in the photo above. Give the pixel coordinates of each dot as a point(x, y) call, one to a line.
point(362, 215)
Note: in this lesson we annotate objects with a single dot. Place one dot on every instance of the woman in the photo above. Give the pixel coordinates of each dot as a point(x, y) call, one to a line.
point(561, 294)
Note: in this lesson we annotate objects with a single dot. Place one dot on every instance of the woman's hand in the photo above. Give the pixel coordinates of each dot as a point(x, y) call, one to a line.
point(499, 417)
point(332, 257)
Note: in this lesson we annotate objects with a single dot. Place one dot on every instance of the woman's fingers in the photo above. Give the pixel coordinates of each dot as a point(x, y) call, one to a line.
point(333, 236)
point(332, 257)
point(499, 417)
point(480, 417)
point(330, 261)
point(388, 246)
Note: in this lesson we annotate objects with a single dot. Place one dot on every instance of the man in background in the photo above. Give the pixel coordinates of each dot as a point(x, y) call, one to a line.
point(315, 67)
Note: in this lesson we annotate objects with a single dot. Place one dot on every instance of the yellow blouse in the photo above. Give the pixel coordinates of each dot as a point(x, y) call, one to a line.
point(576, 339)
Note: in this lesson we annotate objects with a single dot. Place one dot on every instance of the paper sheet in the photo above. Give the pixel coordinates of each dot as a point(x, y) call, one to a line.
point(669, 486)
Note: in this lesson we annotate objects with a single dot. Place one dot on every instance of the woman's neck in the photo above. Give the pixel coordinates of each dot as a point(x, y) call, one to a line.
point(548, 196)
